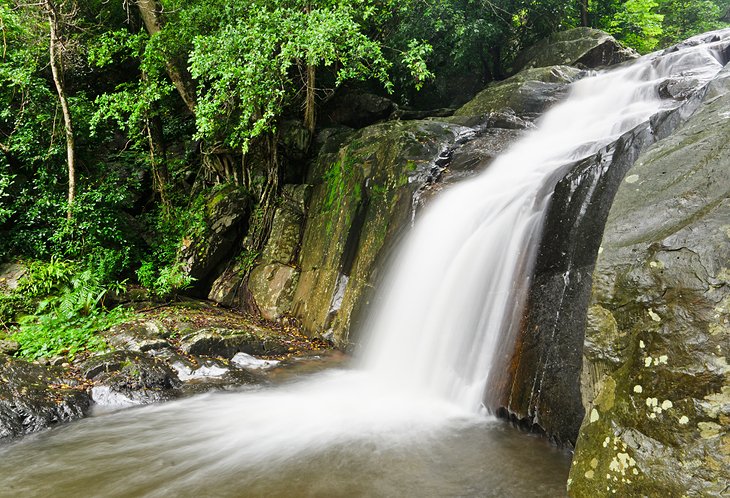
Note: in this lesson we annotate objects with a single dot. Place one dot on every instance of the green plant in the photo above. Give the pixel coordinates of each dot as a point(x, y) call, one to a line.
point(59, 308)
point(172, 280)
point(57, 333)
point(247, 260)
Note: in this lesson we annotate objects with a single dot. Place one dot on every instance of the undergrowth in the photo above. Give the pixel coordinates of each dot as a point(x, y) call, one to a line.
point(58, 309)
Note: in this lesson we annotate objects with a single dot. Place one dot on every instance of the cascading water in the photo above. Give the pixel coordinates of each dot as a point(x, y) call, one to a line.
point(458, 282)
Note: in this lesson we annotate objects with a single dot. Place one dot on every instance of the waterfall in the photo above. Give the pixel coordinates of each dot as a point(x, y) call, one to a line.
point(458, 283)
point(461, 277)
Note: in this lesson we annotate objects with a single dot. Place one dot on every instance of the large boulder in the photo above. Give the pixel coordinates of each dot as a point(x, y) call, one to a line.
point(656, 379)
point(225, 213)
point(363, 197)
point(273, 275)
point(528, 93)
point(33, 397)
point(580, 47)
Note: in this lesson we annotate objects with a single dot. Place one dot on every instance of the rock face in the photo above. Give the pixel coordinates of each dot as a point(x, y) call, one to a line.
point(539, 384)
point(529, 93)
point(580, 47)
point(33, 397)
point(225, 213)
point(656, 379)
point(270, 286)
point(363, 196)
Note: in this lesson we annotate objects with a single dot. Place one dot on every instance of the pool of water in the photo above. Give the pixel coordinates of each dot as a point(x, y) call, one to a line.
point(336, 433)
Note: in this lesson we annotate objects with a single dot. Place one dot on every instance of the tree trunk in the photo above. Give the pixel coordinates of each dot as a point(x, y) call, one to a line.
point(583, 5)
point(151, 13)
point(260, 224)
point(58, 80)
point(310, 116)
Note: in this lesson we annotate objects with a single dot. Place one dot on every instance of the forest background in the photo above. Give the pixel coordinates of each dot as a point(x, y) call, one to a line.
point(118, 119)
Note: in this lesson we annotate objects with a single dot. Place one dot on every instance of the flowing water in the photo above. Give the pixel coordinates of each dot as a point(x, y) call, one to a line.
point(408, 421)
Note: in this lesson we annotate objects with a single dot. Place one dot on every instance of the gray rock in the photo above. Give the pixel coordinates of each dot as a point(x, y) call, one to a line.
point(10, 275)
point(272, 288)
point(280, 252)
point(34, 397)
point(656, 374)
point(9, 347)
point(226, 343)
point(128, 377)
point(581, 47)
point(138, 336)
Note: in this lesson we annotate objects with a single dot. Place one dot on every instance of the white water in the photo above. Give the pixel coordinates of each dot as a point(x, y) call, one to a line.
point(456, 284)
point(461, 275)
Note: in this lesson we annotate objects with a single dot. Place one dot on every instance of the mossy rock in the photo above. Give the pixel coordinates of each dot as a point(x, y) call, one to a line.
point(363, 187)
point(528, 93)
point(658, 338)
point(580, 47)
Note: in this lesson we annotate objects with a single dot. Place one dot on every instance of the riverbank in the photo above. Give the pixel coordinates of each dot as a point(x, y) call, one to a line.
point(166, 351)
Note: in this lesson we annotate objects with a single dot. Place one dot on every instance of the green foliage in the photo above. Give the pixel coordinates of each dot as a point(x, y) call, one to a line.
point(160, 271)
point(685, 18)
point(68, 303)
point(648, 24)
point(247, 70)
point(638, 24)
point(6, 181)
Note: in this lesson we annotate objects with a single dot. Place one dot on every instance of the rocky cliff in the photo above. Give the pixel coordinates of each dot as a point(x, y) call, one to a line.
point(656, 381)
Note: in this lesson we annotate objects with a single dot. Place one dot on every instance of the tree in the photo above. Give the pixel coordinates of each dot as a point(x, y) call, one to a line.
point(638, 24)
point(56, 14)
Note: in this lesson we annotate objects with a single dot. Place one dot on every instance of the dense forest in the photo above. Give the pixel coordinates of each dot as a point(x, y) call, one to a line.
point(119, 119)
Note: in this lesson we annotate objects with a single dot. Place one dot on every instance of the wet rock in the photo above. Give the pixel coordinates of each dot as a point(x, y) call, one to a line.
point(205, 369)
point(472, 158)
point(541, 380)
point(244, 360)
point(581, 47)
point(677, 88)
point(34, 397)
point(129, 378)
point(363, 197)
point(226, 343)
point(656, 375)
point(527, 94)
